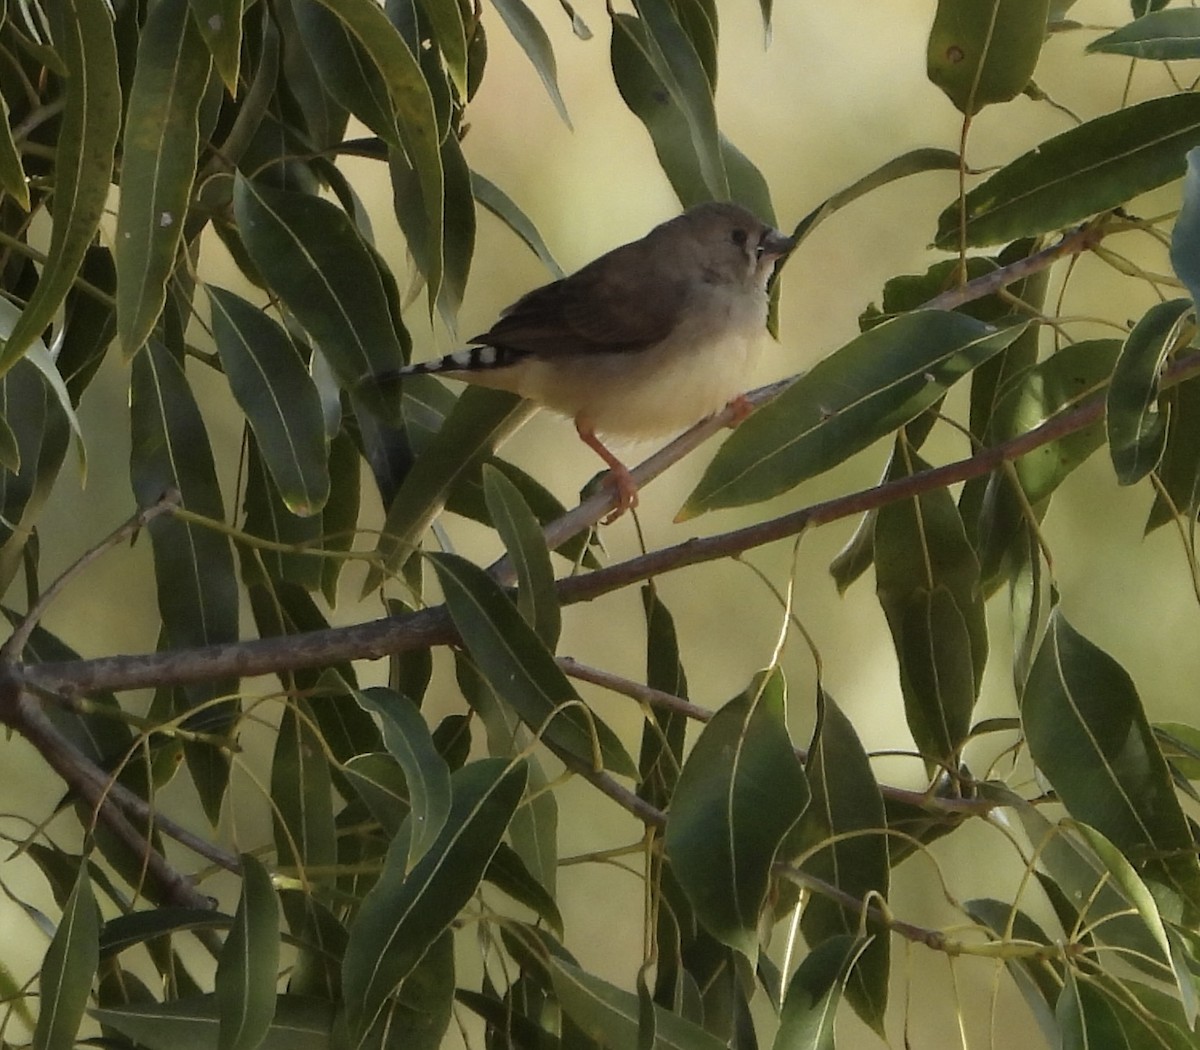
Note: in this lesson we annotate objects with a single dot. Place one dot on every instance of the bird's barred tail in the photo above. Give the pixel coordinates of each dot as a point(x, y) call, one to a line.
point(473, 359)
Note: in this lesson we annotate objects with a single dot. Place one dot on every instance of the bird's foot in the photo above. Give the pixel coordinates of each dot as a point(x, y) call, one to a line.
point(621, 481)
point(741, 408)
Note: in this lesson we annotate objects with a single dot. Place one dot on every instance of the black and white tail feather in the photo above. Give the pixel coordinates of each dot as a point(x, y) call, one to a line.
point(472, 359)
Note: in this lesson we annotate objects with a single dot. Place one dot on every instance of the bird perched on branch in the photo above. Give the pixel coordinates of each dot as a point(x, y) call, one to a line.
point(644, 341)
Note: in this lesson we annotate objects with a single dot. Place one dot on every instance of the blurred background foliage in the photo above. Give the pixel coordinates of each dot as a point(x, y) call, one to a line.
point(828, 94)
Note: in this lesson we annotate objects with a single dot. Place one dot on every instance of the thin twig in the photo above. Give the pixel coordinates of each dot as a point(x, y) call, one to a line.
point(12, 649)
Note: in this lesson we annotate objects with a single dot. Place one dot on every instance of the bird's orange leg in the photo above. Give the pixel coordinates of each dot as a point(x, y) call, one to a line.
point(619, 476)
point(741, 409)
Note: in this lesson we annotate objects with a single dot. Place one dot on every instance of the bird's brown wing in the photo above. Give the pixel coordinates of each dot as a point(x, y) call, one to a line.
point(613, 305)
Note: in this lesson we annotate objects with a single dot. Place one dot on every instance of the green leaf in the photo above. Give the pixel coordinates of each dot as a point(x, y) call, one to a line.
point(675, 60)
point(248, 968)
point(408, 741)
point(868, 388)
point(527, 31)
point(35, 417)
point(847, 807)
point(193, 566)
point(158, 167)
point(534, 828)
point(12, 172)
point(1089, 736)
point(522, 536)
point(268, 517)
point(314, 259)
point(500, 204)
point(1085, 1018)
point(1168, 36)
point(927, 578)
point(301, 1023)
point(1136, 417)
point(138, 927)
point(522, 670)
point(814, 992)
point(1038, 980)
point(69, 969)
point(481, 421)
point(220, 23)
point(1185, 235)
point(407, 911)
point(663, 736)
point(611, 1016)
point(1140, 896)
point(272, 385)
point(301, 793)
point(739, 793)
point(417, 1017)
point(379, 782)
point(507, 871)
point(985, 52)
point(84, 143)
point(646, 94)
point(345, 69)
point(1058, 384)
point(1078, 173)
point(446, 21)
point(413, 109)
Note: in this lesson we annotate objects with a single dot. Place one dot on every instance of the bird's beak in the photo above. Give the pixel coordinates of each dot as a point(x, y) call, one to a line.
point(775, 245)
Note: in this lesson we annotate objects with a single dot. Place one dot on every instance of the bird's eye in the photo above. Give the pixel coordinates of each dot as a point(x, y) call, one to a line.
point(739, 238)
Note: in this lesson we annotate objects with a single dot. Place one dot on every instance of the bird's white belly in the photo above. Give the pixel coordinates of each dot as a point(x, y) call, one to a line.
point(644, 394)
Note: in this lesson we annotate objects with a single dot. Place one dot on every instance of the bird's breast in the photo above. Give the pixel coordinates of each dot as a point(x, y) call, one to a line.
point(703, 364)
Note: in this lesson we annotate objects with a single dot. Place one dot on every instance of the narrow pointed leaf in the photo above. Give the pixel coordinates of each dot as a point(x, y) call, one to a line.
point(193, 566)
point(302, 793)
point(985, 52)
point(407, 911)
point(1168, 36)
point(500, 204)
point(220, 23)
point(927, 577)
point(1078, 173)
point(677, 63)
point(12, 173)
point(1057, 384)
point(346, 71)
point(814, 993)
point(269, 517)
point(274, 389)
point(646, 94)
point(527, 31)
point(1088, 734)
point(158, 165)
point(507, 872)
point(35, 417)
point(312, 256)
point(522, 536)
point(84, 147)
point(521, 669)
point(480, 422)
point(739, 794)
point(379, 782)
point(412, 106)
point(1038, 982)
point(1085, 1017)
point(1135, 415)
point(248, 968)
point(611, 1016)
point(407, 739)
point(876, 383)
point(846, 805)
point(300, 1023)
point(69, 969)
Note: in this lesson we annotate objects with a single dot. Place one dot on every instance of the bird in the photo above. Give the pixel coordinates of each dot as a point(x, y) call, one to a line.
point(644, 341)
